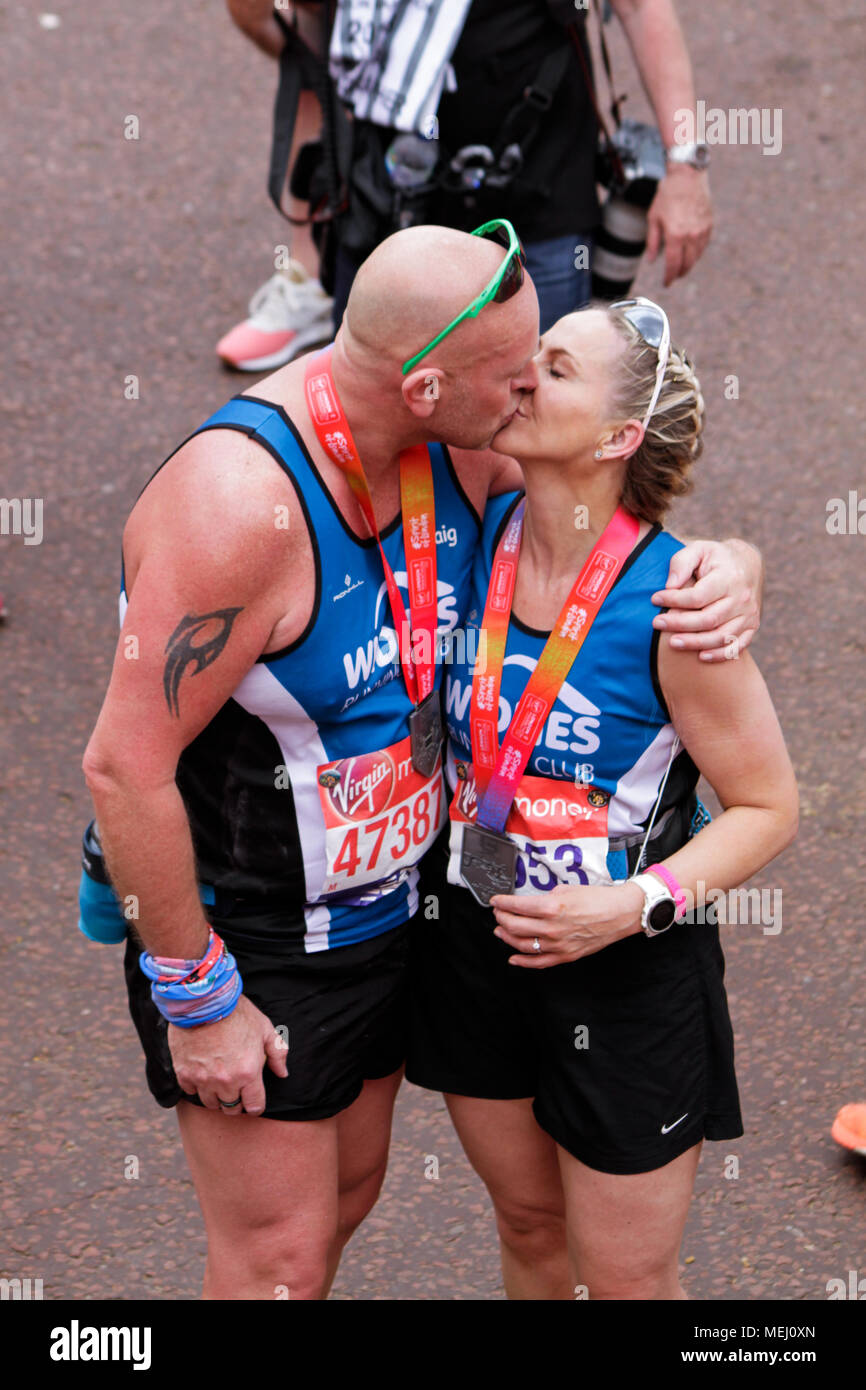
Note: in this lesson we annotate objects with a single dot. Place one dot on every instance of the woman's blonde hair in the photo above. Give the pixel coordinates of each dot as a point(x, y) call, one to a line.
point(659, 468)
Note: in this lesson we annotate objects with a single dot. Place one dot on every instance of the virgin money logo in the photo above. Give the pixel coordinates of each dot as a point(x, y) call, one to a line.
point(529, 719)
point(422, 580)
point(602, 572)
point(500, 587)
point(467, 799)
point(322, 401)
point(359, 787)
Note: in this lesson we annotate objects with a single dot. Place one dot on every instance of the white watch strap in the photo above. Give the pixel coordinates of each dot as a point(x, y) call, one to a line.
point(654, 891)
point(687, 154)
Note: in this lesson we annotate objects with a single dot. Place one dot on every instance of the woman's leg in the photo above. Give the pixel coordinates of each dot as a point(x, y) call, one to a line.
point(518, 1163)
point(625, 1230)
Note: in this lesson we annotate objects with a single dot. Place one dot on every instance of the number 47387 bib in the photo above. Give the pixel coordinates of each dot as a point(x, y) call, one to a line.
point(380, 815)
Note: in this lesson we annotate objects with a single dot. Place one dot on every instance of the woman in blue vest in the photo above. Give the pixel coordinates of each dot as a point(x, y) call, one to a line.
point(578, 1024)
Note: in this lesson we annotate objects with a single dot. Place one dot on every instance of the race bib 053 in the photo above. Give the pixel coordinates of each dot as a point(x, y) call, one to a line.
point(560, 831)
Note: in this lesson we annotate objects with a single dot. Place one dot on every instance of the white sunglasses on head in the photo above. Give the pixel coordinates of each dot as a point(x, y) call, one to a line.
point(651, 322)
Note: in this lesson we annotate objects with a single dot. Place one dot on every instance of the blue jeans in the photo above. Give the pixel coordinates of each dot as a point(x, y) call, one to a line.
point(561, 287)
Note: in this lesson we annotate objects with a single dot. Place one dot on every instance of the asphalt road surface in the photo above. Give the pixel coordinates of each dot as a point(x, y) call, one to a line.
point(130, 258)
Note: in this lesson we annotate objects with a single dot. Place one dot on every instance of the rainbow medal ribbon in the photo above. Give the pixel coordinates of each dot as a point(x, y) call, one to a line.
point(417, 505)
point(489, 857)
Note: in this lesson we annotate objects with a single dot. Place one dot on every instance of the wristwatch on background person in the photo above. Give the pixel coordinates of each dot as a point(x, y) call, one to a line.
point(695, 153)
point(659, 911)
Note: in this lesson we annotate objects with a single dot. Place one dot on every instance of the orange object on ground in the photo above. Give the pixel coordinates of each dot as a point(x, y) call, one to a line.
point(849, 1127)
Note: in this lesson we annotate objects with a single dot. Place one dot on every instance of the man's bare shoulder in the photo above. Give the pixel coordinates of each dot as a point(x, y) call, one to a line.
point(485, 473)
point(222, 505)
point(221, 483)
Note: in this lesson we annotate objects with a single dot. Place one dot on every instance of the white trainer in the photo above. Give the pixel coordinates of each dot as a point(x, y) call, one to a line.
point(288, 313)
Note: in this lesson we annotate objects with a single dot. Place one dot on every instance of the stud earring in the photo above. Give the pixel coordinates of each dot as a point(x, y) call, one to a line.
point(598, 453)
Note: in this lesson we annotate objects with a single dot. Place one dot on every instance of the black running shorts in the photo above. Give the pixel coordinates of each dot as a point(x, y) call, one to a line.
point(628, 1054)
point(344, 1010)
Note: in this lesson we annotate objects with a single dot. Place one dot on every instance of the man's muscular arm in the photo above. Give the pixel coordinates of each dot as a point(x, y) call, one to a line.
point(203, 552)
point(209, 572)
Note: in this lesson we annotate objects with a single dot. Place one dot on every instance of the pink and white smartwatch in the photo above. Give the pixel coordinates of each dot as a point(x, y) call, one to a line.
point(665, 900)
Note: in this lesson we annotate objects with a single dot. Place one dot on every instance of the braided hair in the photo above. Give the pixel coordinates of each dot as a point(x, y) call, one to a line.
point(658, 470)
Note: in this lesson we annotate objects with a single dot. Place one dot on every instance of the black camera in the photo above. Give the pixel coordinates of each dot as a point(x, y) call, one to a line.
point(631, 172)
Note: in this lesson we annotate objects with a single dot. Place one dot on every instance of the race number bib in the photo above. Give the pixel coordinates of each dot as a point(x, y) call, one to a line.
point(560, 831)
point(380, 816)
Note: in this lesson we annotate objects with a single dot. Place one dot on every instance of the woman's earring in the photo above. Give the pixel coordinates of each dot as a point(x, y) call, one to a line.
point(598, 453)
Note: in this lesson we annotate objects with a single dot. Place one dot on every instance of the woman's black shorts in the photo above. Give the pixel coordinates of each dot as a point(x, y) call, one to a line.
point(345, 1011)
point(628, 1054)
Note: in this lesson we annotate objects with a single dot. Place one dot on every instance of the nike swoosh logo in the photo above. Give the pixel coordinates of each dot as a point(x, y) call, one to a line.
point(666, 1129)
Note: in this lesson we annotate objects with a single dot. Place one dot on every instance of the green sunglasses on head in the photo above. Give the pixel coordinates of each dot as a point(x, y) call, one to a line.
point(505, 283)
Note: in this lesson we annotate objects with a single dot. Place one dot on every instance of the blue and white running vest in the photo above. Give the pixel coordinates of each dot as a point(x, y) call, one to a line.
point(591, 787)
point(301, 791)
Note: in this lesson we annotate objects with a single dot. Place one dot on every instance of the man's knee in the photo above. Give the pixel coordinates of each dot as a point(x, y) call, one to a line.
point(276, 1258)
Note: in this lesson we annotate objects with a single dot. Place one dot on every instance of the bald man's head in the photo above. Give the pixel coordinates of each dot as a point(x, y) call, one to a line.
point(416, 282)
point(413, 285)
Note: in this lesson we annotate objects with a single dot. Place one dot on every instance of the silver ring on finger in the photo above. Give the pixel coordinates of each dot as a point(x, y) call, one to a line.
point(536, 944)
point(229, 1104)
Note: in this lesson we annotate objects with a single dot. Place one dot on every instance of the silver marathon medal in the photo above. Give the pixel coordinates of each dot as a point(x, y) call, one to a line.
point(425, 733)
point(488, 863)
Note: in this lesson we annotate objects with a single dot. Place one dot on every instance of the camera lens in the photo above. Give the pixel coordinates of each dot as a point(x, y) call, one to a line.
point(410, 160)
point(620, 243)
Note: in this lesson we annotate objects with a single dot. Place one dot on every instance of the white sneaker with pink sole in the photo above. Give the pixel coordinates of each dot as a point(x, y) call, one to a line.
point(288, 313)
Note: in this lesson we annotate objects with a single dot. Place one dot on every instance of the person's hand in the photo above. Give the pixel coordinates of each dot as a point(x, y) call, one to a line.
point(714, 594)
point(680, 216)
point(224, 1060)
point(568, 922)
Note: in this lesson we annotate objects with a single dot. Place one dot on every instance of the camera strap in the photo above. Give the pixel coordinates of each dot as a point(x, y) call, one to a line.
point(615, 101)
point(523, 121)
point(303, 70)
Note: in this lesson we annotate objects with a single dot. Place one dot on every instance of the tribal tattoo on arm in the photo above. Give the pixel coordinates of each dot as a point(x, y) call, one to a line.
point(183, 648)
